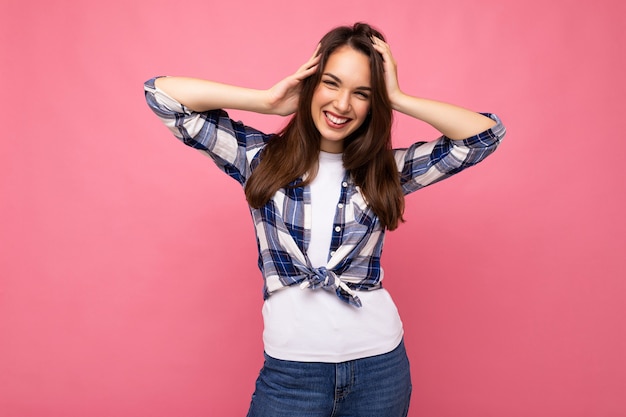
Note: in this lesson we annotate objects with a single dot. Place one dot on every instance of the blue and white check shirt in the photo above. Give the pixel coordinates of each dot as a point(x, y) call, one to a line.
point(283, 225)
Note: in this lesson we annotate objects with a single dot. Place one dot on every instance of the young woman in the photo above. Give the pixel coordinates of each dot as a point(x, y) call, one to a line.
point(322, 192)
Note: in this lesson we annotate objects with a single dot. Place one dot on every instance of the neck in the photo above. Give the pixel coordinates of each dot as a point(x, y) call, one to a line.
point(331, 146)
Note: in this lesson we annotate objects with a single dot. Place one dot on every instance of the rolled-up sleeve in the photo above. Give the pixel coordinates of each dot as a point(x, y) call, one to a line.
point(231, 145)
point(425, 163)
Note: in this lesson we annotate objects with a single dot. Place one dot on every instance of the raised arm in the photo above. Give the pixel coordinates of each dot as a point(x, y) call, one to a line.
point(203, 95)
point(452, 121)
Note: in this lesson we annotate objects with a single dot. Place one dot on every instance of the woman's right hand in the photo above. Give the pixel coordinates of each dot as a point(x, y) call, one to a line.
point(282, 98)
point(203, 95)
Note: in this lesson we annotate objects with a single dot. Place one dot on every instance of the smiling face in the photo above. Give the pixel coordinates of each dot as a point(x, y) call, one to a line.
point(341, 100)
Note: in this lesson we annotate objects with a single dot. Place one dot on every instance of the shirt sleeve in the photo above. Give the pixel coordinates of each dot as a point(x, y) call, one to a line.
point(425, 163)
point(231, 145)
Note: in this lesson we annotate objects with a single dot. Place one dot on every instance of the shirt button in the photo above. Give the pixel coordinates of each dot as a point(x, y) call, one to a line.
point(344, 184)
point(337, 229)
point(332, 253)
point(340, 205)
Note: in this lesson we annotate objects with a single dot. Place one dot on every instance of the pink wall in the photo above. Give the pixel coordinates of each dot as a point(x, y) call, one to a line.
point(128, 280)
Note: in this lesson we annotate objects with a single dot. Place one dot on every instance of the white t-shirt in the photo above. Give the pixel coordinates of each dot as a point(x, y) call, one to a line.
point(314, 325)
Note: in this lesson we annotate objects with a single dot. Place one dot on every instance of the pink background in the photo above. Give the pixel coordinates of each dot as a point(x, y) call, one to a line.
point(128, 278)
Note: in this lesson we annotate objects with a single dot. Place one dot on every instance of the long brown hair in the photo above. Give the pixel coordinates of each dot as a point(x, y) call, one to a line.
point(367, 154)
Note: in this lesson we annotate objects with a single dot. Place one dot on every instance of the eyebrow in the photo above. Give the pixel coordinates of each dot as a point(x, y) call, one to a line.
point(334, 77)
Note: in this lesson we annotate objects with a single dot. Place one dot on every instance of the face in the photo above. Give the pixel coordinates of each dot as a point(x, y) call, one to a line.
point(341, 100)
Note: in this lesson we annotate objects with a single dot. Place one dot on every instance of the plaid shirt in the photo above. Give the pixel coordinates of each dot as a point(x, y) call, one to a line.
point(283, 224)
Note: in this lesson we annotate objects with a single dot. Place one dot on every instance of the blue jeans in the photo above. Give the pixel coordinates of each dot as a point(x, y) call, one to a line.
point(377, 386)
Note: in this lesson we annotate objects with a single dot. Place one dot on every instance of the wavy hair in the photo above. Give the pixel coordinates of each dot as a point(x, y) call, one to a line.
point(367, 153)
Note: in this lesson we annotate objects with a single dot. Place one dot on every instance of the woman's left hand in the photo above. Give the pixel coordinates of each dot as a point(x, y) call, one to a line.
point(453, 121)
point(391, 68)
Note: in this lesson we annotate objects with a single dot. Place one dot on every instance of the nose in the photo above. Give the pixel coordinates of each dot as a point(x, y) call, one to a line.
point(342, 101)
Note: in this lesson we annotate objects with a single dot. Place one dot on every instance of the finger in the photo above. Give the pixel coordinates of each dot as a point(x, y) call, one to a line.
point(307, 69)
point(317, 50)
point(383, 48)
point(313, 61)
point(378, 42)
point(381, 44)
point(310, 66)
point(314, 58)
point(307, 72)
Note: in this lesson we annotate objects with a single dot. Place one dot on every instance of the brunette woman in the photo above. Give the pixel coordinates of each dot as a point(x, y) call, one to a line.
point(322, 192)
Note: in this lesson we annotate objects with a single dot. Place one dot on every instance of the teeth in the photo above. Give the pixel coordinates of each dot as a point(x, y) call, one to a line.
point(336, 120)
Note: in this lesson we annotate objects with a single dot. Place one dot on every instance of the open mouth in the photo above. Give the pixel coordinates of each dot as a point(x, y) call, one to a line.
point(336, 120)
